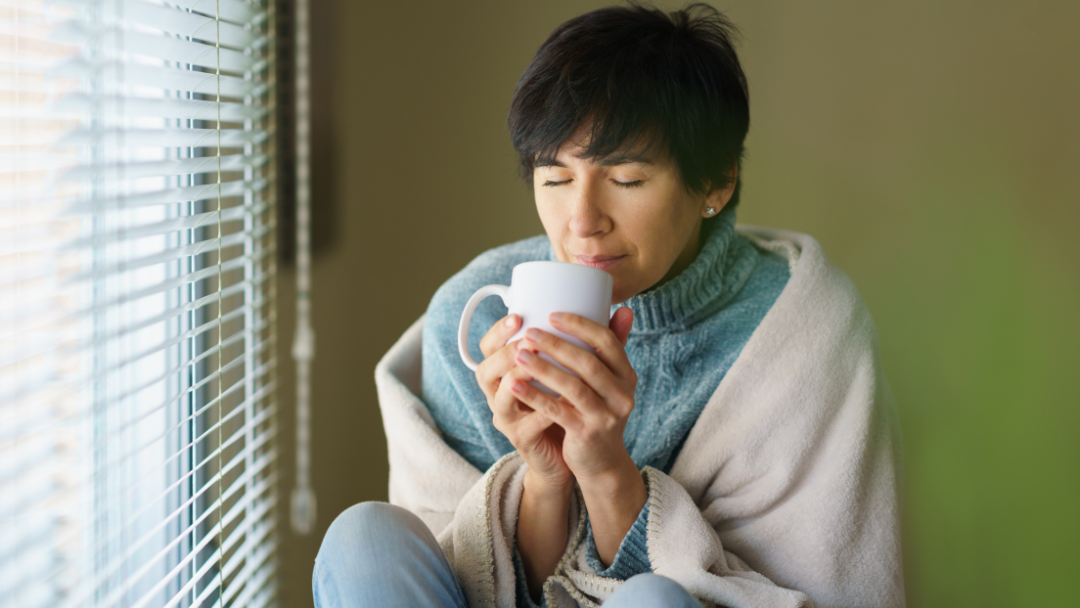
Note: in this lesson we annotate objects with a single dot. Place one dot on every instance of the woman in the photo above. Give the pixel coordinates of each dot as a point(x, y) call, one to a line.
point(730, 442)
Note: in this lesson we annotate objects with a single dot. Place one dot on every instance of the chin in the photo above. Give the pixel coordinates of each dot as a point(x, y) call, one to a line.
point(620, 295)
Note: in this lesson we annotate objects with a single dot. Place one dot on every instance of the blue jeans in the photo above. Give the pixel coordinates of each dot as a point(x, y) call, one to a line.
point(375, 554)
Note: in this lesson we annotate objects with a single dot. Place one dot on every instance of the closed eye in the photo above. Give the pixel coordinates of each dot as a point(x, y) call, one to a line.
point(633, 184)
point(554, 183)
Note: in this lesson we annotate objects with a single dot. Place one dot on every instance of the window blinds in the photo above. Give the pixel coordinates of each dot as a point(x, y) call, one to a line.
point(137, 326)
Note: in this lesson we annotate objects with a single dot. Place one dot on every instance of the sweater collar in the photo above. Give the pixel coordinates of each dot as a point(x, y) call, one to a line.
point(720, 270)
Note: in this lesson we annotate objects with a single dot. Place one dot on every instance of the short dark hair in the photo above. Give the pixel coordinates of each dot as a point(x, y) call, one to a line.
point(670, 82)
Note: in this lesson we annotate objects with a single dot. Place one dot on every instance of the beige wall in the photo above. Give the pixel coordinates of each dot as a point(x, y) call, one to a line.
point(932, 147)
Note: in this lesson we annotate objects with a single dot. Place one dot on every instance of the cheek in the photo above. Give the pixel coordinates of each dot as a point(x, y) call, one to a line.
point(667, 230)
point(546, 211)
point(554, 227)
point(665, 224)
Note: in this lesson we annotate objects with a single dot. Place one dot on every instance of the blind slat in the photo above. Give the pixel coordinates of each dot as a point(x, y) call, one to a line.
point(198, 549)
point(180, 22)
point(157, 138)
point(264, 414)
point(16, 392)
point(33, 350)
point(228, 241)
point(254, 474)
point(111, 39)
point(187, 222)
point(237, 11)
point(254, 574)
point(198, 577)
point(164, 78)
point(138, 390)
point(168, 196)
point(80, 104)
point(41, 236)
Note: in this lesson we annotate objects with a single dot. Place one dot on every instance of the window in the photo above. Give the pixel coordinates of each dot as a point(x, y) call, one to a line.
point(137, 335)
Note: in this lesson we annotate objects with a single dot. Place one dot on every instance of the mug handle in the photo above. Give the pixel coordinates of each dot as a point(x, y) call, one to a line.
point(463, 328)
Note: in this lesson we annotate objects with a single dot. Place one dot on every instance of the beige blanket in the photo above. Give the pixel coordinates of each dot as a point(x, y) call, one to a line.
point(784, 494)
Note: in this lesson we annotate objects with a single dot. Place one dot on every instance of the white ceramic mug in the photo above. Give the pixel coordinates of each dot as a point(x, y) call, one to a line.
point(538, 289)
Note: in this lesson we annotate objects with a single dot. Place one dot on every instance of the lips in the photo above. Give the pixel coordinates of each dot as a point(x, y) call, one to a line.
point(603, 262)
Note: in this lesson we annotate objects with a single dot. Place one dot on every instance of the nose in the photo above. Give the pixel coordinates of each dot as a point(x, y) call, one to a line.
point(587, 216)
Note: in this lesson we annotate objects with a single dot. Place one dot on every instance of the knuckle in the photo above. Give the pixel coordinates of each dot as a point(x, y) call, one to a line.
point(562, 346)
point(486, 346)
point(579, 391)
point(593, 367)
point(609, 341)
point(488, 389)
point(590, 434)
point(494, 339)
point(500, 361)
point(487, 351)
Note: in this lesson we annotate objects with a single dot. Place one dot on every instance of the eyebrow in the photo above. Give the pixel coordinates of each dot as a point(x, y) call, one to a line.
point(611, 160)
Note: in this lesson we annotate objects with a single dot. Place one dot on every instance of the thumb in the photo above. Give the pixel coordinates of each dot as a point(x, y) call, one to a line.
point(621, 322)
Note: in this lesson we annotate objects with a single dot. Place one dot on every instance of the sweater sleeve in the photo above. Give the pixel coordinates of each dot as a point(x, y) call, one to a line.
point(633, 555)
point(631, 559)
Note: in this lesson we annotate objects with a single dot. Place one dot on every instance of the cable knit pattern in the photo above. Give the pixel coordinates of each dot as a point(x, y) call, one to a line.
point(686, 335)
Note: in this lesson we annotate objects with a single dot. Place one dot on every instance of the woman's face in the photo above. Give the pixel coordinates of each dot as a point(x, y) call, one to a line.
point(626, 214)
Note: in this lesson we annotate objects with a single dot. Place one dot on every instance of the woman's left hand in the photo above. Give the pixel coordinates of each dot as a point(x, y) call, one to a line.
point(594, 406)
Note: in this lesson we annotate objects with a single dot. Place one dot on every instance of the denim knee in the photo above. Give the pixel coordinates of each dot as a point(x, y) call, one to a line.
point(367, 526)
point(652, 590)
point(375, 554)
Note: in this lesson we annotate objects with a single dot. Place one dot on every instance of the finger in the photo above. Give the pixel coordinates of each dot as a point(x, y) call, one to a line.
point(499, 333)
point(591, 372)
point(551, 408)
point(491, 370)
point(506, 408)
point(574, 391)
point(609, 349)
point(621, 322)
point(530, 428)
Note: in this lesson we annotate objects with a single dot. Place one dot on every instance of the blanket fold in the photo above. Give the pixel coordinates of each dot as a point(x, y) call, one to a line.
point(784, 493)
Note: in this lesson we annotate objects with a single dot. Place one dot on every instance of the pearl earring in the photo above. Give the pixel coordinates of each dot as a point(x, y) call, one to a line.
point(710, 210)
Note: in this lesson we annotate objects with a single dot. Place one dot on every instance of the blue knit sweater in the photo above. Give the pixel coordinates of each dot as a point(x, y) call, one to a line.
point(686, 335)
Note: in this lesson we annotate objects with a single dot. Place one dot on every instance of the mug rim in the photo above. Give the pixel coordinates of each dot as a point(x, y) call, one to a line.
point(556, 262)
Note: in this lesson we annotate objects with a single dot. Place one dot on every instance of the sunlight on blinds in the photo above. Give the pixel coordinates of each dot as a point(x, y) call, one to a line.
point(137, 299)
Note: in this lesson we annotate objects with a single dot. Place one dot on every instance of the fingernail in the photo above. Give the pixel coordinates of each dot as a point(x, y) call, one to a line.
point(525, 356)
point(533, 334)
point(511, 320)
point(518, 386)
point(556, 317)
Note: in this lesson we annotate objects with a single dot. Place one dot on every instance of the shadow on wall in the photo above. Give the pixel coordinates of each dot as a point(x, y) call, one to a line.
point(325, 214)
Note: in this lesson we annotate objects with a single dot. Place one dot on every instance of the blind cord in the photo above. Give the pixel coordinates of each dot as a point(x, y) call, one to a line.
point(303, 351)
point(220, 313)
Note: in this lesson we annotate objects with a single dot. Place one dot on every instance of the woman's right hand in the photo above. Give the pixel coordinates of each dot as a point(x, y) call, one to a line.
point(536, 437)
point(545, 500)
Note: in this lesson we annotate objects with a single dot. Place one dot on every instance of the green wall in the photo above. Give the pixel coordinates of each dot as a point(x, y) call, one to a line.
point(932, 147)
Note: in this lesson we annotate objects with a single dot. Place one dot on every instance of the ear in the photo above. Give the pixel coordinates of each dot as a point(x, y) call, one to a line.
point(718, 197)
